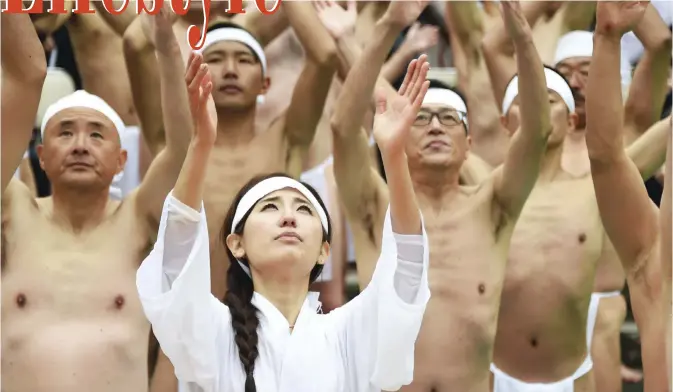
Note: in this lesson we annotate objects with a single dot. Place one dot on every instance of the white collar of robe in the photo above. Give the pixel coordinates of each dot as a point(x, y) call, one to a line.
point(274, 317)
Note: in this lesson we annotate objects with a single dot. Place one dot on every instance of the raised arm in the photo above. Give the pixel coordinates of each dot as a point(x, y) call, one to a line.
point(174, 280)
point(379, 328)
point(418, 40)
point(667, 248)
point(361, 189)
point(648, 152)
point(24, 68)
point(630, 218)
point(163, 172)
point(648, 89)
point(264, 27)
point(577, 15)
point(310, 93)
point(141, 63)
point(514, 180)
point(489, 141)
point(499, 51)
point(118, 23)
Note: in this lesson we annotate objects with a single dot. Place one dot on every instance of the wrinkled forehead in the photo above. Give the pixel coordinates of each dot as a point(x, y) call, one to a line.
point(229, 48)
point(81, 115)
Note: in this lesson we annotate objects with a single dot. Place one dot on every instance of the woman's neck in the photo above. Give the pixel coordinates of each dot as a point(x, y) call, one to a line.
point(287, 298)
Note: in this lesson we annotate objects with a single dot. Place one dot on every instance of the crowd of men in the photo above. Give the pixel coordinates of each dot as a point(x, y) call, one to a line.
point(539, 167)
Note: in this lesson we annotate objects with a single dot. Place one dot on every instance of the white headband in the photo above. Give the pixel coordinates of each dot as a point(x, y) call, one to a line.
point(574, 44)
point(237, 35)
point(263, 188)
point(581, 44)
point(443, 96)
point(82, 99)
point(555, 82)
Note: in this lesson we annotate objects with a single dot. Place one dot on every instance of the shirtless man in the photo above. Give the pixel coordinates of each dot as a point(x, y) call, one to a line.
point(469, 227)
point(630, 218)
point(643, 106)
point(646, 96)
point(140, 60)
point(71, 318)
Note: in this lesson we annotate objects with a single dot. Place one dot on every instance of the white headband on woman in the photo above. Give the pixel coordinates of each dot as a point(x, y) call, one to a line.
point(236, 35)
point(82, 99)
point(263, 188)
point(555, 82)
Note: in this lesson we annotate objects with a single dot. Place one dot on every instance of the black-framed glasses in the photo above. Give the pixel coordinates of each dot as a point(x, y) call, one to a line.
point(448, 118)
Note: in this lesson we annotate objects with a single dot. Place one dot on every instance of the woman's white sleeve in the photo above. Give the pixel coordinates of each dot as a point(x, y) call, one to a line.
point(174, 287)
point(378, 329)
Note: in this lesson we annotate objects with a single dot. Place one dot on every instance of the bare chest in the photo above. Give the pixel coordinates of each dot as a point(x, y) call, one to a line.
point(467, 242)
point(559, 232)
point(230, 169)
point(50, 270)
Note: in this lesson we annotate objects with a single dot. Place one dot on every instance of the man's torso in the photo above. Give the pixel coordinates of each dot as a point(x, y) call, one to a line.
point(71, 316)
point(555, 249)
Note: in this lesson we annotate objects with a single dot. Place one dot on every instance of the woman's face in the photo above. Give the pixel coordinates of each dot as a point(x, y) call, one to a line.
point(282, 236)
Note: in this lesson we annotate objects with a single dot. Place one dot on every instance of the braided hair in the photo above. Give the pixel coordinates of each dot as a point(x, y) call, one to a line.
point(240, 288)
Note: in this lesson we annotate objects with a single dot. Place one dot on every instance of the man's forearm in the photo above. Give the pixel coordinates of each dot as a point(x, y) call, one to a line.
point(604, 100)
point(362, 78)
point(535, 109)
point(174, 100)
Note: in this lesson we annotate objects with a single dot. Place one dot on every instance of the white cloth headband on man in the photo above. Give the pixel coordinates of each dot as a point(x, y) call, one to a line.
point(236, 35)
point(82, 99)
point(443, 96)
point(581, 44)
point(265, 187)
point(555, 82)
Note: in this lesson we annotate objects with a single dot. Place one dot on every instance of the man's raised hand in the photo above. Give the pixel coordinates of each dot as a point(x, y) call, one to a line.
point(337, 20)
point(616, 18)
point(395, 116)
point(404, 13)
point(515, 21)
point(199, 87)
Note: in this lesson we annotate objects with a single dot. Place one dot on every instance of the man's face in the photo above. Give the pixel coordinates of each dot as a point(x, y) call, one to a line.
point(562, 121)
point(438, 137)
point(81, 149)
point(237, 75)
point(576, 72)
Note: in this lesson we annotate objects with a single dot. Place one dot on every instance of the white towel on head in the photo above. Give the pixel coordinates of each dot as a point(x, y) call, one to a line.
point(555, 82)
point(581, 44)
point(82, 99)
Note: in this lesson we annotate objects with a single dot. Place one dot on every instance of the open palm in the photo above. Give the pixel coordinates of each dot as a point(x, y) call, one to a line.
point(395, 115)
point(199, 87)
point(337, 21)
point(405, 12)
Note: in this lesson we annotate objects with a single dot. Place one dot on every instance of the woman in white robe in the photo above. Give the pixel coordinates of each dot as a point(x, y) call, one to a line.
point(268, 335)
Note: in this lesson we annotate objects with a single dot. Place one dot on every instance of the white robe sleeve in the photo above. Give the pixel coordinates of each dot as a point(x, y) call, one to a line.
point(377, 330)
point(187, 320)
